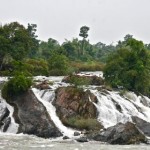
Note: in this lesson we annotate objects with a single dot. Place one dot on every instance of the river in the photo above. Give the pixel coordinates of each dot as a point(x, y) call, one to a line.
point(28, 142)
point(130, 105)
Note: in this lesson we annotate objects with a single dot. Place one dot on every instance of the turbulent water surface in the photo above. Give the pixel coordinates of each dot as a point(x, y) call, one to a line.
point(112, 107)
point(26, 142)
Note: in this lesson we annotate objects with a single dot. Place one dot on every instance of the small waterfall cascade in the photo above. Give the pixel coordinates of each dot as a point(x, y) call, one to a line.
point(47, 97)
point(113, 107)
point(9, 124)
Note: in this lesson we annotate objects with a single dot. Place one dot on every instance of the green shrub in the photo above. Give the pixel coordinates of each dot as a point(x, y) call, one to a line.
point(87, 66)
point(37, 66)
point(77, 81)
point(16, 85)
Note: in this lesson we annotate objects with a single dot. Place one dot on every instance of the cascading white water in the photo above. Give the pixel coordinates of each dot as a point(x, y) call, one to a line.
point(13, 127)
point(46, 97)
point(113, 108)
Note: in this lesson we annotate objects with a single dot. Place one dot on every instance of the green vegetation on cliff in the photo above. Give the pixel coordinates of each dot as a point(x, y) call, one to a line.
point(16, 86)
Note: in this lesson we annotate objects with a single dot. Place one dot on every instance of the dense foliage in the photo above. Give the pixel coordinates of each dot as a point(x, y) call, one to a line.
point(127, 63)
point(129, 67)
point(16, 85)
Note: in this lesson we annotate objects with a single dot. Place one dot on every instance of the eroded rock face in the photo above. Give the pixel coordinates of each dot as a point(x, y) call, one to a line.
point(75, 108)
point(142, 125)
point(121, 134)
point(33, 117)
point(71, 101)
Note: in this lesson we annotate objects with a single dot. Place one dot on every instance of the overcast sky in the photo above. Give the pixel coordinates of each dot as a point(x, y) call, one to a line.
point(109, 20)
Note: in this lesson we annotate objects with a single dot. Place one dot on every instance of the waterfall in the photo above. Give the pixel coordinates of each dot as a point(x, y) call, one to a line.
point(113, 108)
point(46, 97)
point(13, 126)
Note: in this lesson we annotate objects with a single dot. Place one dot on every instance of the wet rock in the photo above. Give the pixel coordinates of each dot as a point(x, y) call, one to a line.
point(75, 108)
point(142, 125)
point(65, 138)
point(7, 122)
point(82, 139)
point(76, 133)
point(33, 117)
point(71, 101)
point(4, 112)
point(121, 134)
point(42, 86)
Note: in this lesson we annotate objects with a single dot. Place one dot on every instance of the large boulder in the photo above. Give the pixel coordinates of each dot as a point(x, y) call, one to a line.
point(32, 116)
point(143, 125)
point(75, 108)
point(126, 133)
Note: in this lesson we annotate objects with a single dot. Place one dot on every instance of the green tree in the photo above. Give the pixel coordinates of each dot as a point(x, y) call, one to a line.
point(129, 67)
point(58, 65)
point(84, 33)
point(46, 49)
point(32, 28)
point(15, 41)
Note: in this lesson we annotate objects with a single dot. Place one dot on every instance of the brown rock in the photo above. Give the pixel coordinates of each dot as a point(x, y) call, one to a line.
point(75, 109)
point(42, 86)
point(121, 134)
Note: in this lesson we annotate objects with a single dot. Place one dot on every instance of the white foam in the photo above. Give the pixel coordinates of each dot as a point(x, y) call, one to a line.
point(47, 102)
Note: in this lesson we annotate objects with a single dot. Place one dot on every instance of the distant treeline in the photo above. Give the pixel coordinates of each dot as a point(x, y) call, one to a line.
point(126, 64)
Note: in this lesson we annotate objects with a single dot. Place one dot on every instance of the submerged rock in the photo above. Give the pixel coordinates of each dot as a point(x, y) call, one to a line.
point(76, 133)
point(121, 134)
point(65, 138)
point(82, 139)
point(32, 116)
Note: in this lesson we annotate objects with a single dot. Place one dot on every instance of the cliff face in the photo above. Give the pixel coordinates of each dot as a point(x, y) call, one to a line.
point(75, 108)
point(33, 117)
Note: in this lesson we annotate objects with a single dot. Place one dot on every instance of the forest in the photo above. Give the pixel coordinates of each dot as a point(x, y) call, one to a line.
point(126, 64)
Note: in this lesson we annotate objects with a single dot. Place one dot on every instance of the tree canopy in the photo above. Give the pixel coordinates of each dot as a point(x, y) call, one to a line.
point(129, 67)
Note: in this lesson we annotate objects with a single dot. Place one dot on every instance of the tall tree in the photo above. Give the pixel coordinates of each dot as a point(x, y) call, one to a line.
point(32, 28)
point(130, 67)
point(84, 33)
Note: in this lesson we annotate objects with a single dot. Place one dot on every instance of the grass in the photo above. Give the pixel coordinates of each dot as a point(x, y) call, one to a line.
point(82, 123)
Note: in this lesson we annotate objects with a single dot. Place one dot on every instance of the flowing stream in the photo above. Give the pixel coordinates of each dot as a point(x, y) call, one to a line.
point(112, 107)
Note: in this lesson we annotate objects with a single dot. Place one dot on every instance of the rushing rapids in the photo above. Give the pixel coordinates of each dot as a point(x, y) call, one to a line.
point(112, 106)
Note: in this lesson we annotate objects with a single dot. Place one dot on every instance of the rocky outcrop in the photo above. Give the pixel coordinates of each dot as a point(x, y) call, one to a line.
point(74, 107)
point(142, 125)
point(32, 116)
point(43, 85)
point(91, 80)
point(121, 134)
